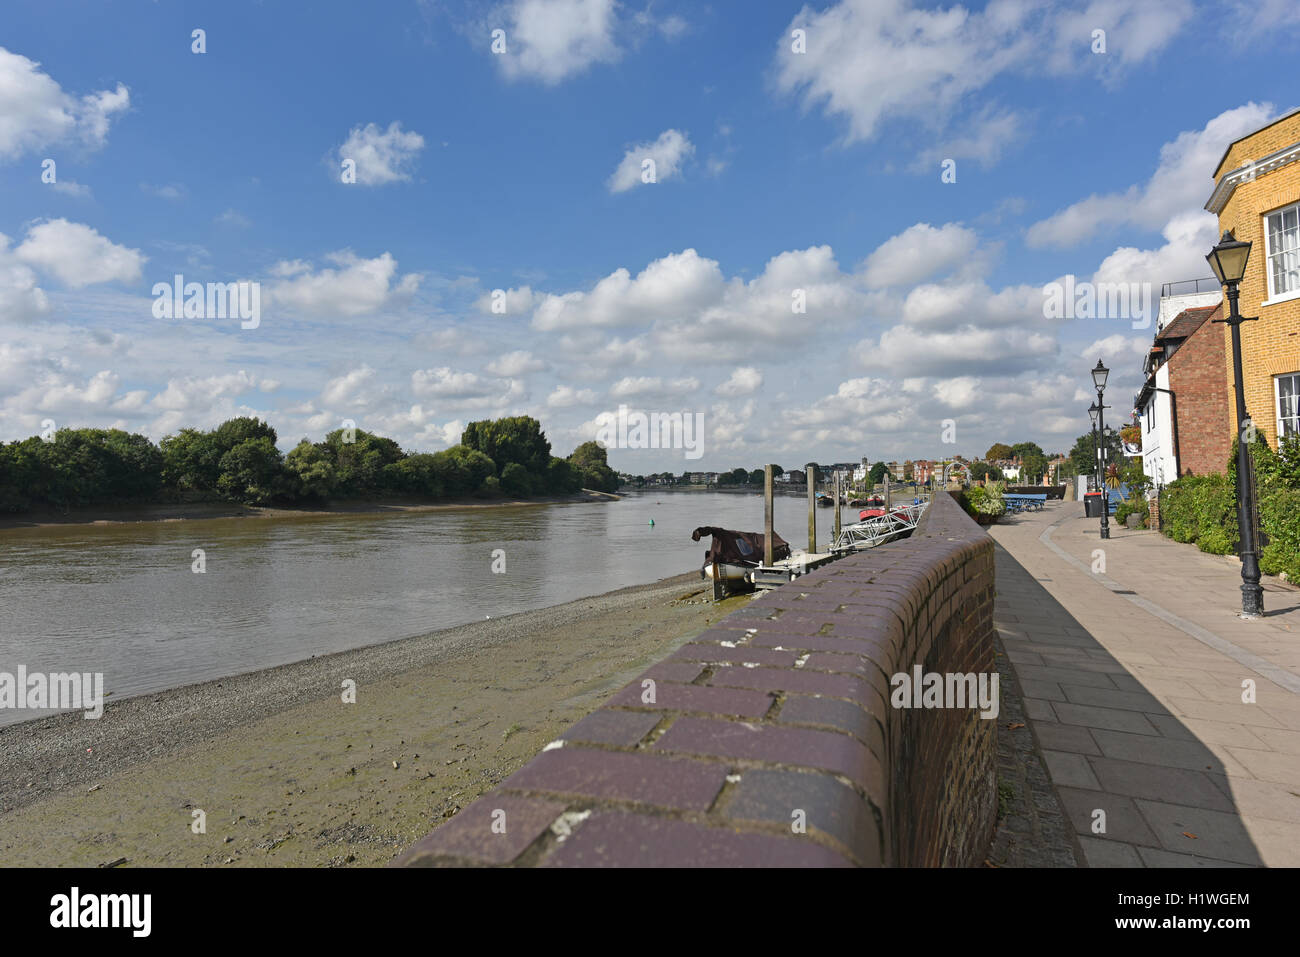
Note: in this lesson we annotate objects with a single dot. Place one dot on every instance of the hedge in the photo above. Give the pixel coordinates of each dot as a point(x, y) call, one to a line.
point(1203, 508)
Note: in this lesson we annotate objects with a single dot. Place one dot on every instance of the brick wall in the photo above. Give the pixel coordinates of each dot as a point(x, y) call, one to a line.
point(1204, 400)
point(1271, 346)
point(779, 713)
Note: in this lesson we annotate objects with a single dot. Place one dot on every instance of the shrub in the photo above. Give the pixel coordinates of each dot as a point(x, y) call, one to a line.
point(1279, 513)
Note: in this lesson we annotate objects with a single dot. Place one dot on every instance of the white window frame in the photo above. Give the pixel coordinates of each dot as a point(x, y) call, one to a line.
point(1273, 296)
point(1277, 403)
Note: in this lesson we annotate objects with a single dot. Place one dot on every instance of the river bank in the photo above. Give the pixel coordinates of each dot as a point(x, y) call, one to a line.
point(198, 511)
point(286, 774)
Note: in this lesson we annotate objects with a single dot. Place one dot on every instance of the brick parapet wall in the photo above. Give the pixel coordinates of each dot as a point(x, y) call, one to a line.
point(780, 712)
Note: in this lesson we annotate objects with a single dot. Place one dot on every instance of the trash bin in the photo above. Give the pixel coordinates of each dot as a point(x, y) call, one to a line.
point(1093, 503)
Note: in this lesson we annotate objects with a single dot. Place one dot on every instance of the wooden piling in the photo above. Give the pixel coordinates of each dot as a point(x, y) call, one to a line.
point(812, 509)
point(768, 516)
point(838, 517)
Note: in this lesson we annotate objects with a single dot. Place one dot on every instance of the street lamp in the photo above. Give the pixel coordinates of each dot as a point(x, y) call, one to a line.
point(1096, 449)
point(1228, 260)
point(1099, 375)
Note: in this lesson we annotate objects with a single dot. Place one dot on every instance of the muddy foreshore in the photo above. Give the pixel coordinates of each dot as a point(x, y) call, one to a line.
point(285, 773)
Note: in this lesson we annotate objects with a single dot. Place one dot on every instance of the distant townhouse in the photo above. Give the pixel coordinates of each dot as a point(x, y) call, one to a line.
point(1184, 405)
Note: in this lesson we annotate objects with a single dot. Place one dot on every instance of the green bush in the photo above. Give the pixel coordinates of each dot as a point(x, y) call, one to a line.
point(1203, 508)
point(1279, 514)
point(1131, 506)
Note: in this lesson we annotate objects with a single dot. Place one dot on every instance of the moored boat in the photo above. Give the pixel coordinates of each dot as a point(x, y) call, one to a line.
point(734, 555)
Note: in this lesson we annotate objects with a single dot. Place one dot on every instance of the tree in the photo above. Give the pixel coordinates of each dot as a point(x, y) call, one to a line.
point(359, 464)
point(310, 470)
point(757, 477)
point(516, 481)
point(563, 478)
point(985, 471)
point(515, 439)
point(1084, 454)
point(590, 461)
point(1032, 468)
point(463, 470)
point(998, 451)
point(249, 471)
point(414, 475)
point(878, 473)
point(191, 461)
point(1022, 449)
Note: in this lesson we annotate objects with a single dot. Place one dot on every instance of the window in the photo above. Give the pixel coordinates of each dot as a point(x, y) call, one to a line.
point(1288, 404)
point(1282, 251)
point(1150, 416)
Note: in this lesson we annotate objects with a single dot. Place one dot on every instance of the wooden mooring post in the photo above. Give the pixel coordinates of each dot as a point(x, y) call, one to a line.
point(838, 518)
point(768, 516)
point(812, 509)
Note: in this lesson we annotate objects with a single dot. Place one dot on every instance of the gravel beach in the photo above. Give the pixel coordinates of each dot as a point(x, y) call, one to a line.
point(285, 773)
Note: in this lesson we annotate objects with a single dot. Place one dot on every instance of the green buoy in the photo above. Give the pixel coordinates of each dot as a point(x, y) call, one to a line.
point(652, 521)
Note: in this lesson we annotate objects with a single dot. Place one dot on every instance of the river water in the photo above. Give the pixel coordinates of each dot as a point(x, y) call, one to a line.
point(123, 599)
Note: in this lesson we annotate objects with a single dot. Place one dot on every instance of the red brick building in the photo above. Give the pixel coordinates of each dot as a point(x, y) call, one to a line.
point(1185, 404)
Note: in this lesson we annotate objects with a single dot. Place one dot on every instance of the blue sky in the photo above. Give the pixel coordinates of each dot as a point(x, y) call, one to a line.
point(777, 171)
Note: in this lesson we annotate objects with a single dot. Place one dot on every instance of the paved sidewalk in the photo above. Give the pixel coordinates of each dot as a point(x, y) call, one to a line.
point(1133, 679)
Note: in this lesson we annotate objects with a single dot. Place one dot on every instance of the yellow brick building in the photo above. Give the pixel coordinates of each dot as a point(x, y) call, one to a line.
point(1257, 196)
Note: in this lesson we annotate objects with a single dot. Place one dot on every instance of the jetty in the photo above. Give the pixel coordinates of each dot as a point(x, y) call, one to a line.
point(893, 523)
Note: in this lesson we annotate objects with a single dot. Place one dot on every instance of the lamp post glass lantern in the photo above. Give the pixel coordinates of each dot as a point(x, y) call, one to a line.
point(1228, 260)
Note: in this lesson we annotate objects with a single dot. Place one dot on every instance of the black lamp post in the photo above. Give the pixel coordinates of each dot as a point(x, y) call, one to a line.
point(1096, 448)
point(1099, 375)
point(1228, 260)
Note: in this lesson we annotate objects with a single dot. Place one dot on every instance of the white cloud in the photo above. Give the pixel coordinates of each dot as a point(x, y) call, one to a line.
point(70, 187)
point(958, 393)
point(743, 381)
point(870, 61)
point(381, 156)
point(77, 255)
point(1182, 181)
point(919, 252)
point(643, 386)
point(467, 389)
point(1117, 348)
point(1188, 237)
point(232, 217)
point(517, 302)
point(352, 389)
point(552, 40)
point(20, 296)
point(679, 282)
point(517, 363)
point(566, 397)
point(905, 351)
point(668, 152)
point(358, 287)
point(168, 191)
point(36, 113)
point(193, 393)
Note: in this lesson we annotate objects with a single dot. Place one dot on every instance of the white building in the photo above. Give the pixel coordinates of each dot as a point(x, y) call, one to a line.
point(1183, 307)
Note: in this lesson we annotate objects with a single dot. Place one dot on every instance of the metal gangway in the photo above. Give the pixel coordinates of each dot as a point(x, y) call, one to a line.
point(897, 520)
